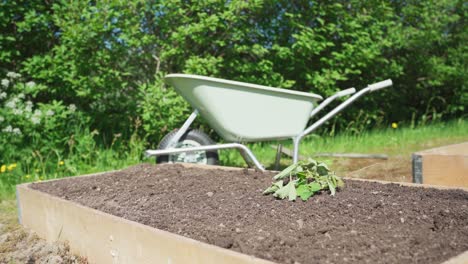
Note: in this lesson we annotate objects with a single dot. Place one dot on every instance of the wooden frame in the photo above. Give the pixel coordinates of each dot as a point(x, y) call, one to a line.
point(105, 238)
point(447, 165)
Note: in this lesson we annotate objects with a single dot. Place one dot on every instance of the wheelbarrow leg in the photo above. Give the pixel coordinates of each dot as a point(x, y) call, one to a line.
point(296, 143)
point(249, 157)
point(183, 129)
point(279, 150)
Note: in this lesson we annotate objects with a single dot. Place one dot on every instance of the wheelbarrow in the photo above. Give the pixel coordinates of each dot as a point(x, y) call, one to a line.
point(242, 112)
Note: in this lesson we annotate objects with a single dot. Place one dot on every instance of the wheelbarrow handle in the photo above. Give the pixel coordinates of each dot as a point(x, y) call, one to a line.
point(336, 110)
point(380, 85)
point(346, 92)
point(330, 99)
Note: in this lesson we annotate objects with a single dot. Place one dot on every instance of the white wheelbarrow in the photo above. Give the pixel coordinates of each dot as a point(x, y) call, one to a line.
point(243, 112)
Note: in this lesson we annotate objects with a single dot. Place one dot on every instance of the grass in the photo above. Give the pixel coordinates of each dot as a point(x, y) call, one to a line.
point(394, 142)
point(8, 216)
point(400, 141)
point(102, 160)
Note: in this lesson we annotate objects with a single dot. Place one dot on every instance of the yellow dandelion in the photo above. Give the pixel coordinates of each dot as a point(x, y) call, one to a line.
point(10, 167)
point(3, 168)
point(394, 125)
point(27, 176)
point(61, 163)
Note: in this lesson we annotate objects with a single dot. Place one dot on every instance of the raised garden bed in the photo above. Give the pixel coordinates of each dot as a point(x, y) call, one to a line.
point(365, 222)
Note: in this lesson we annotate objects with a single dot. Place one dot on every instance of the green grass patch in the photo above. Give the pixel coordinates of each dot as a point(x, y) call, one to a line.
point(98, 160)
point(402, 140)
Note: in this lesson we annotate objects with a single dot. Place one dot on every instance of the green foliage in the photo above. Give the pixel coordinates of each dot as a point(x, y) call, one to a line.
point(105, 56)
point(161, 109)
point(305, 179)
point(33, 129)
point(44, 140)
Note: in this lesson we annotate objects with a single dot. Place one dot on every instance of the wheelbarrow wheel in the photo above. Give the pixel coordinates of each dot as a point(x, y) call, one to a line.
point(191, 138)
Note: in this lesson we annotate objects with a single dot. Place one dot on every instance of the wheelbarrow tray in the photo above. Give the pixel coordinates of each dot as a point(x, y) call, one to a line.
point(244, 112)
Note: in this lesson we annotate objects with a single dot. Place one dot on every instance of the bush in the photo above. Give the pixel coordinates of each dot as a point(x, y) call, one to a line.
point(107, 57)
point(31, 132)
point(161, 109)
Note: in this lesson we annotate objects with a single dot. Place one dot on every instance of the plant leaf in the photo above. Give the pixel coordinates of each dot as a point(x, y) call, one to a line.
point(314, 186)
point(292, 193)
point(322, 169)
point(339, 181)
point(286, 191)
point(286, 172)
point(274, 187)
point(304, 192)
point(331, 186)
point(306, 179)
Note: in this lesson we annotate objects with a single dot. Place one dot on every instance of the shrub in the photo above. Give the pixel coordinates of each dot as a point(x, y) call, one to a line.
point(31, 131)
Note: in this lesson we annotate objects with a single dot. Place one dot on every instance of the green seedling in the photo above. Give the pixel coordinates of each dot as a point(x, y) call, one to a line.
point(305, 178)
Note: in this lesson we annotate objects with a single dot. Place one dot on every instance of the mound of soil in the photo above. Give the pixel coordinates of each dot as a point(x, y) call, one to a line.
point(365, 222)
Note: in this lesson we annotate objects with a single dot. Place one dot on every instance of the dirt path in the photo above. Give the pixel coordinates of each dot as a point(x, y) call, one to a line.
point(18, 245)
point(395, 168)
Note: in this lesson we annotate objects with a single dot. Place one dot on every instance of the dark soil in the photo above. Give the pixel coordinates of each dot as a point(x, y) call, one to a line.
point(364, 223)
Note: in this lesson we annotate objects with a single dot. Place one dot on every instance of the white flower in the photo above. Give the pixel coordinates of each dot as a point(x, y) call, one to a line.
point(17, 111)
point(30, 84)
point(35, 120)
point(13, 75)
point(3, 95)
point(21, 95)
point(5, 83)
point(2, 119)
point(72, 108)
point(28, 107)
point(50, 113)
point(16, 131)
point(7, 129)
point(11, 104)
point(37, 112)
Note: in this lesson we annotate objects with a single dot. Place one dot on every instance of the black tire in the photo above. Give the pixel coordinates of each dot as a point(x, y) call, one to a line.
point(192, 137)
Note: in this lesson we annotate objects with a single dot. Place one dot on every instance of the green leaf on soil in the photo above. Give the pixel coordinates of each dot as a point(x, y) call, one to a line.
point(322, 169)
point(274, 187)
point(306, 179)
point(287, 191)
point(314, 186)
point(331, 186)
point(304, 192)
point(286, 172)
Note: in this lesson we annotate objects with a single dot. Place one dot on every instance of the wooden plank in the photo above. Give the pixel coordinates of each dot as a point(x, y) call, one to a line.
point(104, 238)
point(460, 259)
point(445, 170)
point(447, 165)
point(460, 149)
